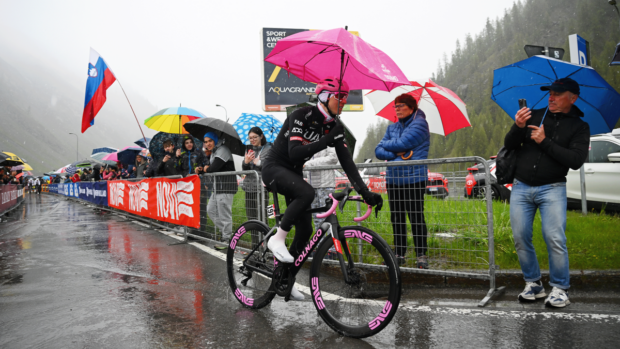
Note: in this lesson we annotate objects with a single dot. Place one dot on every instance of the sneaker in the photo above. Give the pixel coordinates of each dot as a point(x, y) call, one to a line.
point(532, 291)
point(557, 298)
point(422, 262)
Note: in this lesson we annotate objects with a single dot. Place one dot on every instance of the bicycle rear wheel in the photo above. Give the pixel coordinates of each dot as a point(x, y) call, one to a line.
point(251, 288)
point(364, 306)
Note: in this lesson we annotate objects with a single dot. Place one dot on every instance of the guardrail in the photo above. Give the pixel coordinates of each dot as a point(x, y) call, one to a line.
point(454, 232)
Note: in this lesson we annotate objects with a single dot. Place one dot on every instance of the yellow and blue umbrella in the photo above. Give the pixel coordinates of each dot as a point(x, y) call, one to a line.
point(171, 120)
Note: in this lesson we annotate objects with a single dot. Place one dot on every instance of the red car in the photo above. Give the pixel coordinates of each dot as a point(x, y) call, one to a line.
point(437, 184)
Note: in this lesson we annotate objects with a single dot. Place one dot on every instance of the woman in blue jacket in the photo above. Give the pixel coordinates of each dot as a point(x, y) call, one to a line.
point(407, 139)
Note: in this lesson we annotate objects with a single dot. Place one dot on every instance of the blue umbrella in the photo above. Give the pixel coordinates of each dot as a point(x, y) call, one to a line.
point(128, 155)
point(105, 150)
point(140, 142)
point(267, 123)
point(597, 99)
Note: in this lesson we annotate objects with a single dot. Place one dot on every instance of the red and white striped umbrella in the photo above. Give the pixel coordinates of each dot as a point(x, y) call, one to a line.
point(445, 111)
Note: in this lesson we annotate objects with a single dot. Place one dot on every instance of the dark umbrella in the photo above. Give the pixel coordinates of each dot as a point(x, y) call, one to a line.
point(156, 145)
point(142, 143)
point(128, 155)
point(225, 131)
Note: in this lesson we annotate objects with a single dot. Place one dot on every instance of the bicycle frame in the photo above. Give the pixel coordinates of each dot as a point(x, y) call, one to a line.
point(329, 226)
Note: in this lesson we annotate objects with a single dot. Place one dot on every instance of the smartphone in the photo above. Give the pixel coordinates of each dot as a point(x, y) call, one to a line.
point(522, 103)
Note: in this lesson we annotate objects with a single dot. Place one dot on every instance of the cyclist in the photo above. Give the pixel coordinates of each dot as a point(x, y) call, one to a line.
point(305, 132)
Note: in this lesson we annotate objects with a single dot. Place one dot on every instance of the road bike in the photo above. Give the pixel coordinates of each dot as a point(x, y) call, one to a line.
point(354, 280)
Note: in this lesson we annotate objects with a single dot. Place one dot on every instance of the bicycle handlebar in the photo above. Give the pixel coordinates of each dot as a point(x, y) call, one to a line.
point(335, 204)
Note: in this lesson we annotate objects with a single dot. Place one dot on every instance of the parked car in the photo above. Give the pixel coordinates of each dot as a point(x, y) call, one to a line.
point(374, 178)
point(602, 174)
point(475, 184)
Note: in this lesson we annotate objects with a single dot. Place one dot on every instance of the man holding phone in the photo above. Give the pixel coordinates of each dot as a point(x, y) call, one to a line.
point(169, 165)
point(548, 141)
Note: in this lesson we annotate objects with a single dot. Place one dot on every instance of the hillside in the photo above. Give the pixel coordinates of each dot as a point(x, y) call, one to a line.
point(468, 70)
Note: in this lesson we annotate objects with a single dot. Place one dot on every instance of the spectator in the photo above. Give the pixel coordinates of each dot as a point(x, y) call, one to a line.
point(407, 139)
point(190, 158)
point(252, 161)
point(140, 166)
point(219, 207)
point(76, 176)
point(169, 165)
point(96, 175)
point(324, 182)
point(548, 142)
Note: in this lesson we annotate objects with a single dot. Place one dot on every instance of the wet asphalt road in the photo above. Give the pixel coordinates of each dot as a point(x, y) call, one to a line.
point(74, 278)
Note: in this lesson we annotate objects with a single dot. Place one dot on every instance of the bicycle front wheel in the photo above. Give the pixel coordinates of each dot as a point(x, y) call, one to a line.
point(365, 304)
point(251, 287)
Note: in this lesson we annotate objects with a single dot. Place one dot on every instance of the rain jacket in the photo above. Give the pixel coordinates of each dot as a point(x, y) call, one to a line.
point(409, 134)
point(170, 167)
point(222, 161)
point(189, 160)
point(322, 179)
point(566, 143)
point(251, 183)
point(140, 169)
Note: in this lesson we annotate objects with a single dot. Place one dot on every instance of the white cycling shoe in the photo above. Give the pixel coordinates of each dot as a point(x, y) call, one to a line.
point(279, 250)
point(296, 295)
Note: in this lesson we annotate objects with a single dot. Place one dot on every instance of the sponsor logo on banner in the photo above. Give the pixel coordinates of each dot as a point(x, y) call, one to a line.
point(138, 196)
point(117, 192)
point(175, 199)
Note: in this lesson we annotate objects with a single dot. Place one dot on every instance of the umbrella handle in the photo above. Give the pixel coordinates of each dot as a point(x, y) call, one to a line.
point(408, 156)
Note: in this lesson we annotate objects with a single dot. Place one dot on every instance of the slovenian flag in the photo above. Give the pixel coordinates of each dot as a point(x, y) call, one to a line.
point(100, 77)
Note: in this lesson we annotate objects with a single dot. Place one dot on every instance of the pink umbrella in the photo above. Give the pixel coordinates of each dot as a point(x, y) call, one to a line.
point(445, 111)
point(111, 157)
point(318, 54)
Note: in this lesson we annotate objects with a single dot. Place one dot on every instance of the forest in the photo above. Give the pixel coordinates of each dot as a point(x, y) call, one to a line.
point(468, 70)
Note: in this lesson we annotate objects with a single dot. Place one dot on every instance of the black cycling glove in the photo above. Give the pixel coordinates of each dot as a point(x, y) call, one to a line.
point(335, 134)
point(372, 199)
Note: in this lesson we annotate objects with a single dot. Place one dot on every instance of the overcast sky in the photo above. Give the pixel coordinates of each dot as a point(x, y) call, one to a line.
point(203, 53)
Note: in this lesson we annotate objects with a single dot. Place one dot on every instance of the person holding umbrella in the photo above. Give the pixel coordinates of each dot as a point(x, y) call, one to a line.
point(548, 142)
point(305, 132)
point(219, 207)
point(407, 139)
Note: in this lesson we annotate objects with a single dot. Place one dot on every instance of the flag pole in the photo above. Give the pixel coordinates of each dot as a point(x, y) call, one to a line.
point(134, 113)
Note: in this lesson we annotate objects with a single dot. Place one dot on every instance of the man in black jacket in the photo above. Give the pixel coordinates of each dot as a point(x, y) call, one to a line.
point(549, 142)
point(169, 165)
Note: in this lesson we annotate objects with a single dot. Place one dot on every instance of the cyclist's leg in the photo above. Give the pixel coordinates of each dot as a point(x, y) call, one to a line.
point(299, 195)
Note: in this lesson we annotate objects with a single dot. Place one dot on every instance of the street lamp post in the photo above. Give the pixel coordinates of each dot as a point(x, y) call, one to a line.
point(77, 146)
point(221, 106)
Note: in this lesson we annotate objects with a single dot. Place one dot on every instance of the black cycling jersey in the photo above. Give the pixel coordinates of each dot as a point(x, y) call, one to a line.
point(302, 136)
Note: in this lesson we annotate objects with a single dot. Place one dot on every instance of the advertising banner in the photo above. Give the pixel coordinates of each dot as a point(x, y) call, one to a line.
point(282, 90)
point(175, 201)
point(52, 188)
point(8, 196)
point(95, 192)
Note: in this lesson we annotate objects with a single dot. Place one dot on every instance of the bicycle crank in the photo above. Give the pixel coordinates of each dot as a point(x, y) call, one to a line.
point(281, 283)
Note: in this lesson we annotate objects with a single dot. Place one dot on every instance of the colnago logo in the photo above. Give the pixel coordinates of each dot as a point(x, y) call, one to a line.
point(138, 196)
point(316, 293)
point(233, 241)
point(303, 254)
point(379, 319)
point(117, 192)
point(296, 130)
point(279, 90)
point(172, 199)
point(245, 300)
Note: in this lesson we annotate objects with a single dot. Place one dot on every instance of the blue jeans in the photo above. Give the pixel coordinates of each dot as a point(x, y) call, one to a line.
point(551, 200)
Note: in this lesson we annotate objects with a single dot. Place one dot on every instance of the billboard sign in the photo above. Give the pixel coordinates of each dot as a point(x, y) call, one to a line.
point(282, 90)
point(579, 50)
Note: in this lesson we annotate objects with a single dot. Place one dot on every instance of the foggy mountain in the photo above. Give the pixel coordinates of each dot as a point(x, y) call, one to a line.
point(40, 106)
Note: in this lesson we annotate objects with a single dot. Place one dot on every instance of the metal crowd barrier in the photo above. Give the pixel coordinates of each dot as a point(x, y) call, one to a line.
point(457, 227)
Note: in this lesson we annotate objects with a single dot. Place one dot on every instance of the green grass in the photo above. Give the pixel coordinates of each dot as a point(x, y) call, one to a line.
point(458, 234)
